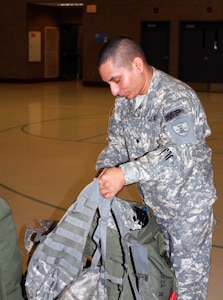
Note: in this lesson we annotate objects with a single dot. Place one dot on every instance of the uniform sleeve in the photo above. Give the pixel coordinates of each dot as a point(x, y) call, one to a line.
point(156, 165)
point(115, 153)
point(181, 146)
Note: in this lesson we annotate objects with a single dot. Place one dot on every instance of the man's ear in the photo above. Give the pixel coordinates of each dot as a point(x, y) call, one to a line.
point(137, 63)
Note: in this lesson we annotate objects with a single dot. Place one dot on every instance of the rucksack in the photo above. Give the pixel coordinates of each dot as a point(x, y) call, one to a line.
point(120, 239)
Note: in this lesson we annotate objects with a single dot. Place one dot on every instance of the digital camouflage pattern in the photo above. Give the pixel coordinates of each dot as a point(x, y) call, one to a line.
point(189, 241)
point(159, 142)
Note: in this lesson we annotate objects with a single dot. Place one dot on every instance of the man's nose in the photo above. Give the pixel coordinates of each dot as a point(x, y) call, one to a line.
point(114, 89)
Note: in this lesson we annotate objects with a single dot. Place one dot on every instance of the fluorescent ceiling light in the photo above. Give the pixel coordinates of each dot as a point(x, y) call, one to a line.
point(60, 4)
point(70, 4)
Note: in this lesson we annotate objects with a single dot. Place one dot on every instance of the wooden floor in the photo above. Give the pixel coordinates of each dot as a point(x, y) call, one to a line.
point(50, 137)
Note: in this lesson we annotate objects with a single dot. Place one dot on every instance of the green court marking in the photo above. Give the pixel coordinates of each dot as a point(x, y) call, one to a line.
point(32, 198)
point(217, 246)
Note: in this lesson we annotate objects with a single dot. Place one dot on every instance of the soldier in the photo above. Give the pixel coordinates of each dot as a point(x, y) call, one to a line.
point(156, 139)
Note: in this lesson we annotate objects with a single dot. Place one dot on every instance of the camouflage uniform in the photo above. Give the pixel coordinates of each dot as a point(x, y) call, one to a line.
point(159, 142)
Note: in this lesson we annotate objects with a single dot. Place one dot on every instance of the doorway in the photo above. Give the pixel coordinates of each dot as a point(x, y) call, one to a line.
point(70, 51)
point(155, 43)
point(201, 52)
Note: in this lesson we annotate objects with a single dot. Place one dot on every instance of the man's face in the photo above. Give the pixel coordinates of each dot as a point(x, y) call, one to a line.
point(123, 81)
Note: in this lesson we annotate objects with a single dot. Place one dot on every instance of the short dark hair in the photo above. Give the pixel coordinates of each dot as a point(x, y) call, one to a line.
point(121, 50)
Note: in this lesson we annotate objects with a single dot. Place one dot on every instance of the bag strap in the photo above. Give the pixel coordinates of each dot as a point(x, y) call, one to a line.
point(100, 238)
point(101, 233)
point(138, 250)
point(139, 255)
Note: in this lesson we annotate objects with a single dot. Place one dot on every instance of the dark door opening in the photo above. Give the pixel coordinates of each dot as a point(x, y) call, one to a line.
point(155, 43)
point(70, 67)
point(201, 52)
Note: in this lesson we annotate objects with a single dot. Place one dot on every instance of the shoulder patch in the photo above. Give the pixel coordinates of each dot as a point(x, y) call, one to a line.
point(180, 127)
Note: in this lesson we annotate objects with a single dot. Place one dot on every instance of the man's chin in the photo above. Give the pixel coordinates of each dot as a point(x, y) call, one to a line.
point(126, 96)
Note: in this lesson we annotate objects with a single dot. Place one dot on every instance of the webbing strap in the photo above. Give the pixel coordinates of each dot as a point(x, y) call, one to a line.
point(139, 253)
point(101, 232)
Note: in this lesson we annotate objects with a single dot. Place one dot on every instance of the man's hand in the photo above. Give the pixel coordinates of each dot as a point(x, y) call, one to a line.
point(111, 181)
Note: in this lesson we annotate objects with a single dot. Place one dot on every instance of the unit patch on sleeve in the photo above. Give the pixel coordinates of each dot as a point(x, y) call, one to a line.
point(180, 127)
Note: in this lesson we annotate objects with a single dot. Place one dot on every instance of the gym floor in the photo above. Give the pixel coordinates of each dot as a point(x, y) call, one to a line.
point(50, 137)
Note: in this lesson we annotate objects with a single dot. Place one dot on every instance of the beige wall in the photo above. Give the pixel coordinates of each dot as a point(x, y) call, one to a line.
point(112, 17)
